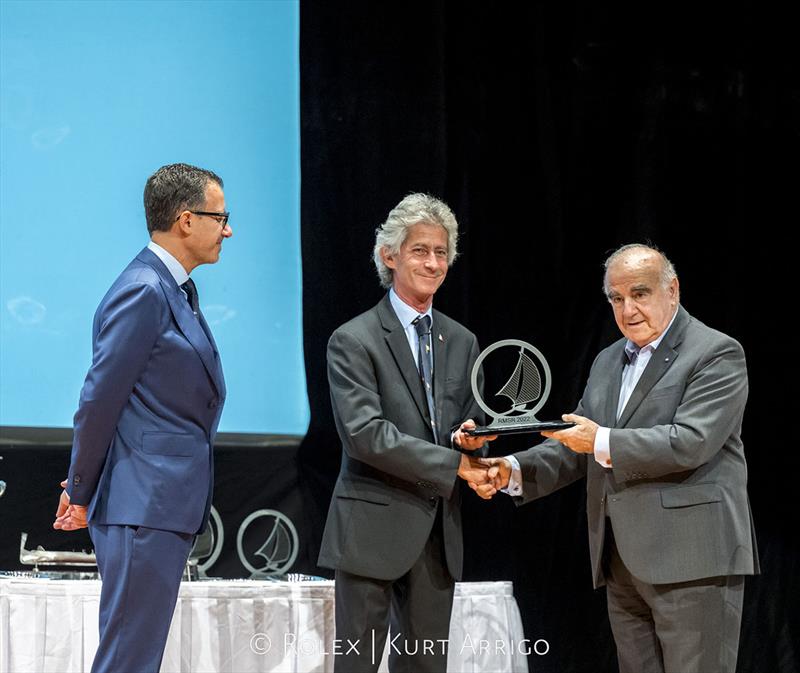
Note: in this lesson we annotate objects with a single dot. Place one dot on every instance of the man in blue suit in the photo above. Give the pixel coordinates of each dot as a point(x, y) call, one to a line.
point(141, 472)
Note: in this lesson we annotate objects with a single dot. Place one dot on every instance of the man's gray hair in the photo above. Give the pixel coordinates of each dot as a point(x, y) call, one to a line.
point(667, 269)
point(413, 209)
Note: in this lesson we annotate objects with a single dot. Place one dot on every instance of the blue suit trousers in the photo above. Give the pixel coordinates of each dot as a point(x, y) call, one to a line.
point(141, 570)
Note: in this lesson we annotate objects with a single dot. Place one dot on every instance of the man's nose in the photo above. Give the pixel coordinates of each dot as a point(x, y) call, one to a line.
point(431, 260)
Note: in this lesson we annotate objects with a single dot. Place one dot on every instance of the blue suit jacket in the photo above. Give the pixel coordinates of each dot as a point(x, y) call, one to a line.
point(149, 408)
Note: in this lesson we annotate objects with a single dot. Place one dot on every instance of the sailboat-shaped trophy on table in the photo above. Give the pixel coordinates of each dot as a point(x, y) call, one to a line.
point(523, 388)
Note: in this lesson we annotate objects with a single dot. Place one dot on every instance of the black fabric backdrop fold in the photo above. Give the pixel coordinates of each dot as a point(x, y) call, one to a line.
point(557, 131)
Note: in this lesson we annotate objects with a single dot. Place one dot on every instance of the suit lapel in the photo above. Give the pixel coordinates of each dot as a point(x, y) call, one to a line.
point(398, 345)
point(440, 365)
point(616, 384)
point(187, 322)
point(219, 380)
point(660, 361)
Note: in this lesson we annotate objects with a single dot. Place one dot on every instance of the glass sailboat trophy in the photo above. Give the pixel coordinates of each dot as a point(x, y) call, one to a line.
point(526, 390)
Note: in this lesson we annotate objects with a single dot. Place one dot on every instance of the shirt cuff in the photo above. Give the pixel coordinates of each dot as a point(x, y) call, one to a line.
point(602, 450)
point(515, 480)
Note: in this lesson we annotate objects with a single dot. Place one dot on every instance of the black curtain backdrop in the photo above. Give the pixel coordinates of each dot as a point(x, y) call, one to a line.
point(556, 132)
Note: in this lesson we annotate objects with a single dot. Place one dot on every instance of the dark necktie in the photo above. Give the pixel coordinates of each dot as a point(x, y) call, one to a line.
point(191, 295)
point(194, 302)
point(425, 361)
point(629, 378)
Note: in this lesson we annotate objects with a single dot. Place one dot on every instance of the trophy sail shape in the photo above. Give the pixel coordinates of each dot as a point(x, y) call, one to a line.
point(525, 384)
point(528, 388)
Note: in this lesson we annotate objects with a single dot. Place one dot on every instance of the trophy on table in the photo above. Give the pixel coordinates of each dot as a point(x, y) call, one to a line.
point(525, 391)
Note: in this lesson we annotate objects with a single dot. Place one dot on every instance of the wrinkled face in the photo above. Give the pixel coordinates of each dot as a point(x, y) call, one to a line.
point(205, 242)
point(421, 264)
point(642, 305)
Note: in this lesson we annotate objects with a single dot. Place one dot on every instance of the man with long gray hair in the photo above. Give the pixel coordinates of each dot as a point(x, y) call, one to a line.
point(399, 380)
point(658, 437)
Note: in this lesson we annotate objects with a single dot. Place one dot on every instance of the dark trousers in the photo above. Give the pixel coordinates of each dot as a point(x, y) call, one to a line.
point(417, 605)
point(686, 627)
point(141, 570)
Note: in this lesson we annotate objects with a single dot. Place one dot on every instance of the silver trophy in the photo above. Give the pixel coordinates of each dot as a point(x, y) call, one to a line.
point(526, 389)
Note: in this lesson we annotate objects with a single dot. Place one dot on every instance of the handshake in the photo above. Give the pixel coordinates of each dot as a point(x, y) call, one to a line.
point(485, 476)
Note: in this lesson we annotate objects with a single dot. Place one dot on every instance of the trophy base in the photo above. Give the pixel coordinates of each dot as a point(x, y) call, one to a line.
point(521, 428)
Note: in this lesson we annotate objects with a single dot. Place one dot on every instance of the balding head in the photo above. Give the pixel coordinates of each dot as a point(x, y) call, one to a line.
point(642, 288)
point(638, 254)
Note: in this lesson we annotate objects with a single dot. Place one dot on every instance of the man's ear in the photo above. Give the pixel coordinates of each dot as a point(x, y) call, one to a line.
point(674, 291)
point(387, 257)
point(183, 225)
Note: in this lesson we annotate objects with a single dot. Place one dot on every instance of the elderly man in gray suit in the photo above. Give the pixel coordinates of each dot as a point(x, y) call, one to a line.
point(399, 380)
point(658, 436)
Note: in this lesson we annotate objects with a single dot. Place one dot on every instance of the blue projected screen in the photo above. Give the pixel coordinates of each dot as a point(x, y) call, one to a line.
point(95, 97)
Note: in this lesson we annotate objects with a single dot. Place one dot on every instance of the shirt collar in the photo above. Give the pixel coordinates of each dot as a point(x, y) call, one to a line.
point(631, 348)
point(405, 313)
point(174, 267)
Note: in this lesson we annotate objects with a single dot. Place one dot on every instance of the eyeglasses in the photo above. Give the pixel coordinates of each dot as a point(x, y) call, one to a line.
point(221, 218)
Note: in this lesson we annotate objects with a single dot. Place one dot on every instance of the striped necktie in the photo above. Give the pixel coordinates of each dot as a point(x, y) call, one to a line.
point(425, 362)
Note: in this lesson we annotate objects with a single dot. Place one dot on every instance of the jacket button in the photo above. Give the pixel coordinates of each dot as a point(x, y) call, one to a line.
point(432, 500)
point(76, 479)
point(213, 404)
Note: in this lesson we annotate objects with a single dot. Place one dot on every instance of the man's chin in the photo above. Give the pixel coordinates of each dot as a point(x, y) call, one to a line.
point(639, 336)
point(430, 288)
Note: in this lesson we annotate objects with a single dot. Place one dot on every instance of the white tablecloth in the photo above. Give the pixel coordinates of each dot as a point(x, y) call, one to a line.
point(239, 627)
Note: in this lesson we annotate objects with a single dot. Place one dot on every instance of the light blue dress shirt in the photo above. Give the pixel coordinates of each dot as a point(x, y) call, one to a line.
point(407, 315)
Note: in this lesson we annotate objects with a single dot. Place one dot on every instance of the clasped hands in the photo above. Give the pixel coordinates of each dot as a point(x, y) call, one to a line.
point(486, 476)
point(69, 517)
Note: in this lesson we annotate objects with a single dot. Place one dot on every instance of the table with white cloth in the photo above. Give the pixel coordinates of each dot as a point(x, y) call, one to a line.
point(240, 626)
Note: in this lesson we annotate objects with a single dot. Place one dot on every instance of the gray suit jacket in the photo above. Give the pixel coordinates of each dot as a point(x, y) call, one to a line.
point(676, 494)
point(393, 476)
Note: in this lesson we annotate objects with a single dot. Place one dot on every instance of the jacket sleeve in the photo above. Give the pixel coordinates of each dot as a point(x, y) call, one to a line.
point(367, 435)
point(549, 466)
point(127, 327)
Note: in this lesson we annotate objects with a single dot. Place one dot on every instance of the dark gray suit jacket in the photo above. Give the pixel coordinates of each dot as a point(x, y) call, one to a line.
point(676, 494)
point(393, 476)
